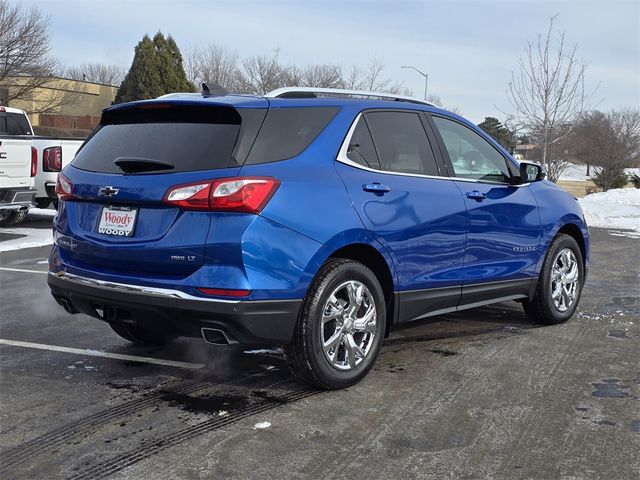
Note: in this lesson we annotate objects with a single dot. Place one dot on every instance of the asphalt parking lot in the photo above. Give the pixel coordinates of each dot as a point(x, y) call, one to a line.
point(479, 394)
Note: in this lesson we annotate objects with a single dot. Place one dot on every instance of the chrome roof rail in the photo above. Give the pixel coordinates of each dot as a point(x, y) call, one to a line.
point(178, 95)
point(309, 92)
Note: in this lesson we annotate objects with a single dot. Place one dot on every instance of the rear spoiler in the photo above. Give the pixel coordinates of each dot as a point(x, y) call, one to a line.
point(171, 111)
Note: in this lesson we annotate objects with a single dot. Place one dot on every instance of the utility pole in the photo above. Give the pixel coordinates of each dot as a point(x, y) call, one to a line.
point(425, 75)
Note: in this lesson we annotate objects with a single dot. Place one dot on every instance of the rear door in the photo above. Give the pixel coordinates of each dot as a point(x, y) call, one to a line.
point(15, 150)
point(504, 223)
point(116, 218)
point(408, 203)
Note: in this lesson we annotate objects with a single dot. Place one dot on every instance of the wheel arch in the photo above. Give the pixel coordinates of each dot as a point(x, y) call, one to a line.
point(574, 231)
point(376, 262)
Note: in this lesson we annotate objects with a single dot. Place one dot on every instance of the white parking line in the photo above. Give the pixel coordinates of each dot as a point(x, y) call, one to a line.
point(7, 269)
point(97, 353)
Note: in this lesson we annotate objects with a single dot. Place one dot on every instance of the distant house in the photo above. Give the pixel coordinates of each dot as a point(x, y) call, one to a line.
point(60, 103)
point(526, 151)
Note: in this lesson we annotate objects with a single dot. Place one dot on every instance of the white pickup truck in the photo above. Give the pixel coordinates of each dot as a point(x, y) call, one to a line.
point(29, 166)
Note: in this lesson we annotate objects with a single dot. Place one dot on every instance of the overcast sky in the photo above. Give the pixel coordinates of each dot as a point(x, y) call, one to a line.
point(468, 47)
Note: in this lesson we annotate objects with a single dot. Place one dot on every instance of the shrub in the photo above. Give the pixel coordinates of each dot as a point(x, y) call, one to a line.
point(635, 179)
point(608, 178)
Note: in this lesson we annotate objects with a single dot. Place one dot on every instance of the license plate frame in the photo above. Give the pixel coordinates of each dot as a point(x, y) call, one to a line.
point(111, 227)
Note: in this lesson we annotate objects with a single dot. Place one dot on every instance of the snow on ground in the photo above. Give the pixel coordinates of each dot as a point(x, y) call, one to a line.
point(29, 237)
point(615, 209)
point(46, 212)
point(578, 173)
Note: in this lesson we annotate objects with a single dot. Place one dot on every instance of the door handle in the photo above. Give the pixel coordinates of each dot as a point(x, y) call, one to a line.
point(377, 188)
point(476, 195)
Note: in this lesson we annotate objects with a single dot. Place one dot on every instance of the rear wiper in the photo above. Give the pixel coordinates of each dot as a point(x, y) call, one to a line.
point(137, 165)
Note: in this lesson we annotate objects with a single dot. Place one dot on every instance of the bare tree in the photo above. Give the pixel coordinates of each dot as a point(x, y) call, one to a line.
point(263, 73)
point(320, 75)
point(107, 74)
point(610, 142)
point(213, 64)
point(436, 100)
point(548, 93)
point(370, 78)
point(25, 62)
point(260, 74)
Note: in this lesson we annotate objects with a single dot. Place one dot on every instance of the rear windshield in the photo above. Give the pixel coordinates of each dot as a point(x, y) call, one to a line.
point(189, 138)
point(14, 124)
point(286, 132)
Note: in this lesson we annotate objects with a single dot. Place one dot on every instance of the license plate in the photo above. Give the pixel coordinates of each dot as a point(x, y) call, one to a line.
point(117, 221)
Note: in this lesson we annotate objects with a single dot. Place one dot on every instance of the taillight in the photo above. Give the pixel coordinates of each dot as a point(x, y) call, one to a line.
point(192, 196)
point(242, 194)
point(52, 159)
point(34, 161)
point(238, 194)
point(64, 187)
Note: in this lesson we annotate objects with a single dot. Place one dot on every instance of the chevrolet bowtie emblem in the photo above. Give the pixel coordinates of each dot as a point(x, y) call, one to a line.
point(108, 191)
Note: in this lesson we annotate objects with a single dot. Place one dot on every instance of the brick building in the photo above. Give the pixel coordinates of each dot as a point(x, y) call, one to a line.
point(64, 104)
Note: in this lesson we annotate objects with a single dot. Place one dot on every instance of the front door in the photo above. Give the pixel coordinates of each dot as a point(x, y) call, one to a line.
point(503, 221)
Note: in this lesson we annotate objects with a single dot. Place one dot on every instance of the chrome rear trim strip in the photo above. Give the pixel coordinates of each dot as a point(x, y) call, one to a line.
point(125, 287)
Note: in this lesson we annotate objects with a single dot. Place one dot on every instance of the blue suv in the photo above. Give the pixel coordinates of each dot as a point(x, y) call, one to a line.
point(316, 219)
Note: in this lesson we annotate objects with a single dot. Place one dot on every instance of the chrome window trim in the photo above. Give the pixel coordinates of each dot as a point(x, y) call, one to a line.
point(342, 158)
point(161, 292)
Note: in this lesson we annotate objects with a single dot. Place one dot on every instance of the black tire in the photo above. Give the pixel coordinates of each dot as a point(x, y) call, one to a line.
point(541, 308)
point(43, 202)
point(12, 218)
point(139, 336)
point(305, 355)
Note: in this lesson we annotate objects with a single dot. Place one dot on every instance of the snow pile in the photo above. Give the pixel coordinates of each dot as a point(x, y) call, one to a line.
point(578, 173)
point(29, 238)
point(616, 209)
point(575, 173)
point(45, 212)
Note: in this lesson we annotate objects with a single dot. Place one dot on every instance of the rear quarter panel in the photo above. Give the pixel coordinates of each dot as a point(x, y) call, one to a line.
point(313, 202)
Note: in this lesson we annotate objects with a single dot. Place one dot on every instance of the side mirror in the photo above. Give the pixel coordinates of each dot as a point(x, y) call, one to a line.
point(531, 172)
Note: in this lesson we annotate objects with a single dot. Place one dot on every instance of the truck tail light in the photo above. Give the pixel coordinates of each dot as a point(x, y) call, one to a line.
point(34, 161)
point(64, 187)
point(52, 159)
point(237, 194)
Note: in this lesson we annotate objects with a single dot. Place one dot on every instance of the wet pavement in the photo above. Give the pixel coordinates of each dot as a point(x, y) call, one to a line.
point(479, 394)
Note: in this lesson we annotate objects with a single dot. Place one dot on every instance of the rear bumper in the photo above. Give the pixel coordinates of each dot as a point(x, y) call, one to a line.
point(17, 198)
point(166, 310)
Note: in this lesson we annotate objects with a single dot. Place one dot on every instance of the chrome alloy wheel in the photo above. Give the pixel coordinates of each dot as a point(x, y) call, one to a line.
point(348, 325)
point(565, 279)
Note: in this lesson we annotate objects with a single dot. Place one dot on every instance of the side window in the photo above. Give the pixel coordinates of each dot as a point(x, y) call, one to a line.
point(402, 143)
point(471, 155)
point(361, 149)
point(286, 132)
point(17, 124)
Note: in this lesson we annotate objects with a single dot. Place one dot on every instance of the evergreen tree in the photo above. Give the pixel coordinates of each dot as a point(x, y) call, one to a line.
point(170, 66)
point(498, 132)
point(156, 70)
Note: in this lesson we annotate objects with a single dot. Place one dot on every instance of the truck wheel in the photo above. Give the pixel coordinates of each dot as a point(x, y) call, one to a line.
point(341, 327)
point(137, 335)
point(43, 202)
point(10, 218)
point(560, 283)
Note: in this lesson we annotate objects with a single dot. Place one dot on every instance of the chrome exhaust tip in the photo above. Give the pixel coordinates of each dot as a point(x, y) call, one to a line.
point(215, 336)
